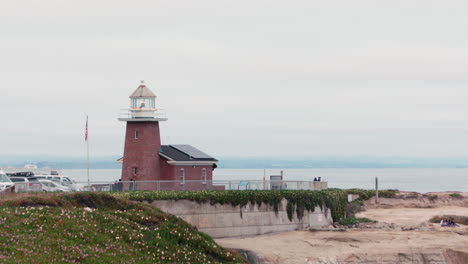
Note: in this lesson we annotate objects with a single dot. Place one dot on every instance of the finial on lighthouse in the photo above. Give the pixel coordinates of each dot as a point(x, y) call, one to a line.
point(142, 82)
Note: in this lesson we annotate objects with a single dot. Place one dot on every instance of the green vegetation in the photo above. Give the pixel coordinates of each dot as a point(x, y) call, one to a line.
point(431, 197)
point(457, 219)
point(352, 221)
point(357, 205)
point(367, 194)
point(99, 228)
point(353, 208)
point(456, 196)
point(298, 200)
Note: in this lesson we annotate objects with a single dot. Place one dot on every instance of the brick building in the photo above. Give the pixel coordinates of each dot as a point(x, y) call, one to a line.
point(145, 160)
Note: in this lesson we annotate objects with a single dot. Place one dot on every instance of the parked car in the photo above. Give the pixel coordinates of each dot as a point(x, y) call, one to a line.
point(5, 182)
point(21, 174)
point(26, 184)
point(51, 186)
point(62, 180)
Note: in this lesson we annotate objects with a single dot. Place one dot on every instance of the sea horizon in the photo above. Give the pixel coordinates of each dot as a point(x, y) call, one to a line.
point(404, 179)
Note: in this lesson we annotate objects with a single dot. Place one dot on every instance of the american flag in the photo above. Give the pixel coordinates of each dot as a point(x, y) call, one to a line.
point(86, 131)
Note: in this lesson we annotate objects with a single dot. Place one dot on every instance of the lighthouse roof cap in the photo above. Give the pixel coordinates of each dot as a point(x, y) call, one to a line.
point(142, 91)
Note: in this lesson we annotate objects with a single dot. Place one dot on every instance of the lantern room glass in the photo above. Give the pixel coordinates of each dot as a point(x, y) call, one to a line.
point(143, 103)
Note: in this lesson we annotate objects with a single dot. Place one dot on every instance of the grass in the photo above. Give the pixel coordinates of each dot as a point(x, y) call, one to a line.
point(99, 228)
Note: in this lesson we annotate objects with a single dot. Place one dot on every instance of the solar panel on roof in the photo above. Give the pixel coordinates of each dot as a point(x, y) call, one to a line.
point(191, 151)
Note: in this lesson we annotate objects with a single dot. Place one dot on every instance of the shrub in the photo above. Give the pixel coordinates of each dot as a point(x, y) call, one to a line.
point(367, 194)
point(456, 196)
point(352, 221)
point(388, 193)
point(353, 208)
point(431, 197)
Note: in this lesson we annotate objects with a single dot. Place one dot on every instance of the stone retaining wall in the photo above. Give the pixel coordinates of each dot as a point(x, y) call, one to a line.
point(226, 220)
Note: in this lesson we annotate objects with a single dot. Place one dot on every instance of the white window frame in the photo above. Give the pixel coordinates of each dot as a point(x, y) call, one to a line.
point(135, 171)
point(182, 176)
point(135, 134)
point(203, 175)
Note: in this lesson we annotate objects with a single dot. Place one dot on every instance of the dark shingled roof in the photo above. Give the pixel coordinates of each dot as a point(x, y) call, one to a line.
point(177, 155)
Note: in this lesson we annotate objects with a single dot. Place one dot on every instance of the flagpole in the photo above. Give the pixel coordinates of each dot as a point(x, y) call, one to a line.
point(87, 153)
point(87, 163)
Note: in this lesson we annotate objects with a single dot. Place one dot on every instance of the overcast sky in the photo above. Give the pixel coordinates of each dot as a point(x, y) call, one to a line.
point(238, 78)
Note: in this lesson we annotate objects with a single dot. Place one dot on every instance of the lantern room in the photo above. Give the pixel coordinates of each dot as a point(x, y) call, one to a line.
point(142, 106)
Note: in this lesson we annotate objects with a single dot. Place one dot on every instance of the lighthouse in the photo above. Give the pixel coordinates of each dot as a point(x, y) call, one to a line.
point(142, 138)
point(148, 165)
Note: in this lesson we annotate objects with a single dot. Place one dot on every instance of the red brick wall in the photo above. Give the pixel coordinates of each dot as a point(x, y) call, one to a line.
point(172, 173)
point(142, 153)
point(167, 171)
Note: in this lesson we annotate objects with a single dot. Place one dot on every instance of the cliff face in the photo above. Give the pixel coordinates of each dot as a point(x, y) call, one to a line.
point(409, 256)
point(403, 234)
point(381, 243)
point(423, 257)
point(445, 257)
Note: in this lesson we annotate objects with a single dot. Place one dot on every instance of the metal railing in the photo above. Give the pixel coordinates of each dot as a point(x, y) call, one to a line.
point(142, 113)
point(198, 185)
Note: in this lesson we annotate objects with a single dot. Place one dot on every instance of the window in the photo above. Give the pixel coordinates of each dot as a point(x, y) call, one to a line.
point(135, 171)
point(136, 134)
point(182, 176)
point(203, 175)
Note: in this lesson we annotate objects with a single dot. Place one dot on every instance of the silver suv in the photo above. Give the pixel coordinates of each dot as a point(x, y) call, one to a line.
point(26, 184)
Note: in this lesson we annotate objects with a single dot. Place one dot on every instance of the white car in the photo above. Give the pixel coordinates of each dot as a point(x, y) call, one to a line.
point(51, 186)
point(62, 180)
point(5, 182)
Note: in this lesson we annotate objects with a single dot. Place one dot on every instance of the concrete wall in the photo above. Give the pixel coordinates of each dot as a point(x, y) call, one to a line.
point(319, 185)
point(231, 221)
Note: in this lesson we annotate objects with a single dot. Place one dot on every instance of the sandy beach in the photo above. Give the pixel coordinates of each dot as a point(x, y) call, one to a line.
point(402, 234)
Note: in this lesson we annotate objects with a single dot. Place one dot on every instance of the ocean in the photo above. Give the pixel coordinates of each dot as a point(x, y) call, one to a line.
point(407, 179)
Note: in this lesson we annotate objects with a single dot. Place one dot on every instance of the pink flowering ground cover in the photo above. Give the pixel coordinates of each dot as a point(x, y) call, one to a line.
point(99, 228)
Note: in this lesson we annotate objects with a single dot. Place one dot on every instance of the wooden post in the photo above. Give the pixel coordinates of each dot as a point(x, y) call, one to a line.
point(264, 179)
point(376, 190)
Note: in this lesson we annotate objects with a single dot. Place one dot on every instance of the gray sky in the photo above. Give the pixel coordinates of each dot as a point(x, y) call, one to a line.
point(238, 78)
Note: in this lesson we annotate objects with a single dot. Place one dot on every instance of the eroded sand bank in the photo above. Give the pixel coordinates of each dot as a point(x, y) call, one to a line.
point(403, 235)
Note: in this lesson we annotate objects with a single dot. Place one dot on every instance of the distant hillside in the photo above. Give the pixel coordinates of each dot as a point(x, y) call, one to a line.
point(109, 162)
point(62, 162)
point(343, 162)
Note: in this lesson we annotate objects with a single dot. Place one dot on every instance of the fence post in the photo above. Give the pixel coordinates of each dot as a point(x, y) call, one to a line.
point(376, 190)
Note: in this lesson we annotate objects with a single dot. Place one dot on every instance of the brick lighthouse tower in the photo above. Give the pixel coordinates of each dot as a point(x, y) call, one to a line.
point(141, 160)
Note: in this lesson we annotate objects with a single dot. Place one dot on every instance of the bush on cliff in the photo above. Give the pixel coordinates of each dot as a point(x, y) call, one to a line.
point(367, 194)
point(298, 200)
